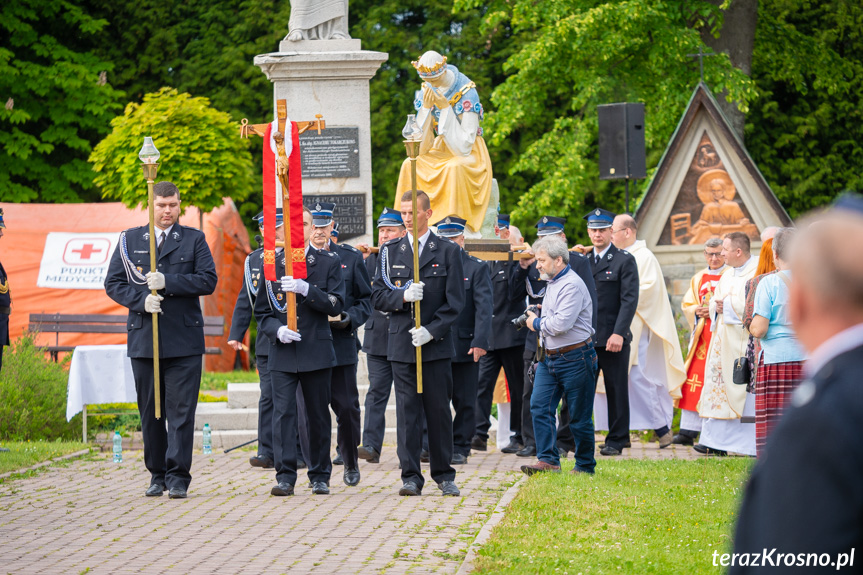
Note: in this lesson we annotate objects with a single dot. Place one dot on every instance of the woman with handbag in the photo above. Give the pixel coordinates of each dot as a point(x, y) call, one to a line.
point(780, 365)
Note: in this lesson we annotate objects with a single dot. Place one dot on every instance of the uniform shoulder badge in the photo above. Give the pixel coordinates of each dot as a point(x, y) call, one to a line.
point(310, 258)
point(333, 299)
point(476, 259)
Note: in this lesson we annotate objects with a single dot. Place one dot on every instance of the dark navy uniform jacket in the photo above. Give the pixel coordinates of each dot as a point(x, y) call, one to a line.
point(5, 302)
point(507, 307)
point(190, 273)
point(473, 327)
point(358, 303)
point(326, 297)
point(443, 296)
point(244, 309)
point(616, 278)
point(378, 325)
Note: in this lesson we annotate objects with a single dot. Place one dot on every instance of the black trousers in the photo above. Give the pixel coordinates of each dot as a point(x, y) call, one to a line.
point(265, 409)
point(168, 441)
point(316, 396)
point(345, 400)
point(527, 435)
point(510, 359)
point(615, 372)
point(465, 380)
point(377, 397)
point(434, 404)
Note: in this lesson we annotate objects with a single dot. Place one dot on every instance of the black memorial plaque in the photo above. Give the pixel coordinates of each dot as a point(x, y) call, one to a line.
point(350, 212)
point(334, 153)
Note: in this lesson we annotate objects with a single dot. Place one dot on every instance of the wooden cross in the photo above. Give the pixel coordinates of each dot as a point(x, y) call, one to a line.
point(701, 55)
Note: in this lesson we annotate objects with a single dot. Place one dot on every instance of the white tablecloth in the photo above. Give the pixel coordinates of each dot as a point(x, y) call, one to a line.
point(99, 374)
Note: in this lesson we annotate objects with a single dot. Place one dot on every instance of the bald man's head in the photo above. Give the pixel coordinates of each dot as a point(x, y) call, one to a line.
point(624, 231)
point(515, 237)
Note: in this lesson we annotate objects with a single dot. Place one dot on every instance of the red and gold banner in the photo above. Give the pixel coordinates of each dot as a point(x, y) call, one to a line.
point(295, 197)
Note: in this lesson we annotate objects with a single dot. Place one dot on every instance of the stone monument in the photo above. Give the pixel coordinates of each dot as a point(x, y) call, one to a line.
point(320, 69)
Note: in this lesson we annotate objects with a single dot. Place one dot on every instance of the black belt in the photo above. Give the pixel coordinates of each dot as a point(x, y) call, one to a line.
point(5, 310)
point(565, 349)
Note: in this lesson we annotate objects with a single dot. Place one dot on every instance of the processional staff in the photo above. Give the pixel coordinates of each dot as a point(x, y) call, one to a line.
point(149, 155)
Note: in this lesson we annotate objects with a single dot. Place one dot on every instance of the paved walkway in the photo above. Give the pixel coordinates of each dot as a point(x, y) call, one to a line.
point(91, 514)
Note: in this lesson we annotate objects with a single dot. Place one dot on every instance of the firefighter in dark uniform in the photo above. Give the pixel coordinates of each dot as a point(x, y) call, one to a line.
point(390, 226)
point(345, 397)
point(302, 358)
point(441, 291)
point(527, 283)
point(470, 335)
point(244, 310)
point(185, 272)
point(5, 301)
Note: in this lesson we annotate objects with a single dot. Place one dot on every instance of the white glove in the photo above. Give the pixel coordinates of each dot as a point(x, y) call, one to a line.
point(153, 303)
point(414, 292)
point(155, 280)
point(288, 335)
point(289, 284)
point(420, 336)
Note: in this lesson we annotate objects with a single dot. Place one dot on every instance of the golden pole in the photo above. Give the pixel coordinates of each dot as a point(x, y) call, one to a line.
point(413, 148)
point(150, 174)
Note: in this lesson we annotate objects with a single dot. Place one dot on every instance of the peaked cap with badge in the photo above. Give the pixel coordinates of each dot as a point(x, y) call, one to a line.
point(548, 225)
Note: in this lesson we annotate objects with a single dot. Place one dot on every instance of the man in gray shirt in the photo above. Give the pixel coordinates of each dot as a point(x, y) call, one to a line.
point(569, 366)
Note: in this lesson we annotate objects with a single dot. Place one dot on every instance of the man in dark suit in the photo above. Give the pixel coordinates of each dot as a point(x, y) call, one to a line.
point(185, 272)
point(805, 495)
point(506, 350)
point(5, 301)
point(470, 335)
point(345, 397)
point(616, 276)
point(441, 292)
point(244, 310)
point(527, 283)
point(302, 358)
point(390, 226)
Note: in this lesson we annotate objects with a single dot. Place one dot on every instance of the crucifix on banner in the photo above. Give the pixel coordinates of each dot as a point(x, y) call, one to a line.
point(283, 187)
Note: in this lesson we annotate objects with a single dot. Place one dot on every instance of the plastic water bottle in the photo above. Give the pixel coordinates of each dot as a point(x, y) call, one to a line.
point(118, 447)
point(208, 442)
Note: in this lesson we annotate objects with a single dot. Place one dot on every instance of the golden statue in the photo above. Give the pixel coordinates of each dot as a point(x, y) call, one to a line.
point(453, 166)
point(721, 214)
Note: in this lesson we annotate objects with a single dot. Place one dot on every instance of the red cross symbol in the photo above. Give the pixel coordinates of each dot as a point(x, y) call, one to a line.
point(86, 251)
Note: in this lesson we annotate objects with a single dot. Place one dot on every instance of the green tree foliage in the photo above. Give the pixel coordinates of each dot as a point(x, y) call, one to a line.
point(201, 152)
point(805, 127)
point(56, 104)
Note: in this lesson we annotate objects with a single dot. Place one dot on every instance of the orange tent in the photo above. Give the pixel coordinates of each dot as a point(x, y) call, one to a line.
point(24, 239)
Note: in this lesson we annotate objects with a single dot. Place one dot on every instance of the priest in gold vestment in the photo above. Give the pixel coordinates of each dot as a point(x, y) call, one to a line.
point(453, 166)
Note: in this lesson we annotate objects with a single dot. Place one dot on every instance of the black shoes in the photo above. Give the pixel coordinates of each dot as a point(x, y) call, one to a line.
point(282, 489)
point(155, 490)
point(320, 488)
point(260, 461)
point(478, 443)
point(513, 447)
point(177, 493)
point(527, 451)
point(681, 439)
point(352, 476)
point(609, 450)
point(458, 459)
point(709, 450)
point(370, 454)
point(448, 488)
point(337, 460)
point(424, 456)
point(409, 488)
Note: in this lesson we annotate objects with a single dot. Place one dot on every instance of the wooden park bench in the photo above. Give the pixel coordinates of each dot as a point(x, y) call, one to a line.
point(58, 323)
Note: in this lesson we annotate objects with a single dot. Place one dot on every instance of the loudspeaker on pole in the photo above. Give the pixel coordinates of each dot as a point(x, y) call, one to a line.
point(621, 141)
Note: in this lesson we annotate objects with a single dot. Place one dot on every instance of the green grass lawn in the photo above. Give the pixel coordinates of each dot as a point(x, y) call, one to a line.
point(220, 380)
point(633, 516)
point(23, 454)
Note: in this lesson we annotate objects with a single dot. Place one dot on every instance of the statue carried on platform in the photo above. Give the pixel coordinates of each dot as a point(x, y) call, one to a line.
point(453, 167)
point(318, 20)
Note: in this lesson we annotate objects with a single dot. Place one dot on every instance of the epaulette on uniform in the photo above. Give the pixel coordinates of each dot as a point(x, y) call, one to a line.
point(190, 228)
point(392, 241)
point(474, 258)
point(329, 253)
point(348, 247)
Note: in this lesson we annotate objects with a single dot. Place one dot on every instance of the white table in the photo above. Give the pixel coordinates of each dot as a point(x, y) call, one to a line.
point(99, 374)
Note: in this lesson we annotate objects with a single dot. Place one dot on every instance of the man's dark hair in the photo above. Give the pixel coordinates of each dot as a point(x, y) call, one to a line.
point(423, 201)
point(166, 190)
point(740, 241)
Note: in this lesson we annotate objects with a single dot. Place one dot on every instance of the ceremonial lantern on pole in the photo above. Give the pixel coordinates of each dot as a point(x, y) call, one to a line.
point(149, 155)
point(413, 135)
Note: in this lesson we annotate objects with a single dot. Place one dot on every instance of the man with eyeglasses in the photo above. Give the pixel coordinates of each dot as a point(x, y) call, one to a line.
point(696, 309)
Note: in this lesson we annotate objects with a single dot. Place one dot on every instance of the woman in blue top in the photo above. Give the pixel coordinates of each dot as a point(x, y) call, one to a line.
point(780, 368)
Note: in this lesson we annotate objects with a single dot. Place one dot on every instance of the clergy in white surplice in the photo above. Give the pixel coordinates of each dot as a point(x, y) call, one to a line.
point(656, 370)
point(723, 402)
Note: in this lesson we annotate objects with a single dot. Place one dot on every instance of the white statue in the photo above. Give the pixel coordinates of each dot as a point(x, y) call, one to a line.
point(318, 20)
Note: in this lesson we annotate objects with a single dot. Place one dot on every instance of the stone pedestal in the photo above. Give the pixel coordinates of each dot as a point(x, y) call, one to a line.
point(331, 78)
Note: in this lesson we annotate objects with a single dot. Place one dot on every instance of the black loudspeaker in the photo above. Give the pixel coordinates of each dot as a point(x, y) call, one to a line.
point(621, 142)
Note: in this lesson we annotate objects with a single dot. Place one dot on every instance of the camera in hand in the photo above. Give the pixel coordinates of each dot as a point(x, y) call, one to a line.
point(521, 321)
